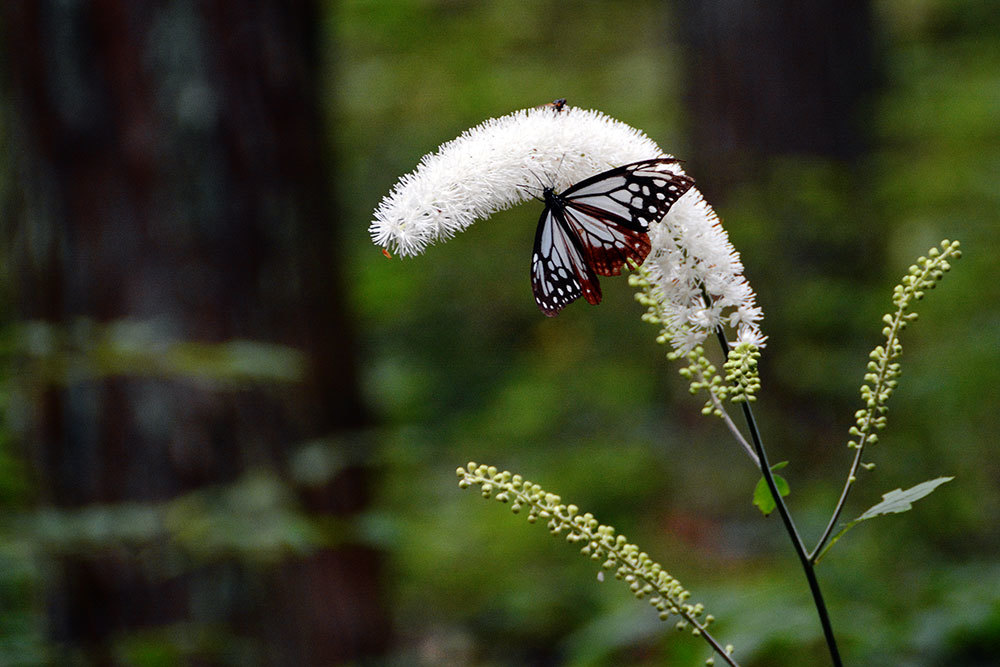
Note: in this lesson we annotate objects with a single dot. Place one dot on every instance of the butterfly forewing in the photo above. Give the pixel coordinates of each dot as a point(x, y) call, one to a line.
point(596, 226)
point(637, 194)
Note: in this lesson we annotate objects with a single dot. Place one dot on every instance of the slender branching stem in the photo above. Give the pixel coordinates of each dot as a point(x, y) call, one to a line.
point(868, 422)
point(883, 367)
point(720, 410)
point(714, 643)
point(807, 565)
point(851, 477)
point(734, 429)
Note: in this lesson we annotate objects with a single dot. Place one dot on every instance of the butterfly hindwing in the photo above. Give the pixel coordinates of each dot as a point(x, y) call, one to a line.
point(597, 226)
point(559, 269)
point(608, 245)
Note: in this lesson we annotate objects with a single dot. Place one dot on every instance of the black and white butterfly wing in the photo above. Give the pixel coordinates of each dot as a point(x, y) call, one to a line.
point(607, 244)
point(596, 227)
point(634, 195)
point(559, 269)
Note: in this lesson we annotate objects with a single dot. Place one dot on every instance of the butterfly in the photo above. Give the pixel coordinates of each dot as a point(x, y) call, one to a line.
point(596, 227)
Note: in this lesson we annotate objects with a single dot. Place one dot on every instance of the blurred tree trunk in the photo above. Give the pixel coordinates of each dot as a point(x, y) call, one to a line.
point(776, 78)
point(780, 103)
point(173, 169)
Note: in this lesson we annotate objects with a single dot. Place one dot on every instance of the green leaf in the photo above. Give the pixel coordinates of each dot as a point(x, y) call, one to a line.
point(898, 501)
point(894, 502)
point(762, 497)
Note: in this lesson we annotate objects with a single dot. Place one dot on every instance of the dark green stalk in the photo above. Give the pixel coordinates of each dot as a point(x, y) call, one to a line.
point(786, 518)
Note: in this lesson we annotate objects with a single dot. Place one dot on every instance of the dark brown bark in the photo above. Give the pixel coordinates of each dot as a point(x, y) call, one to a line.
point(172, 168)
point(780, 102)
point(776, 78)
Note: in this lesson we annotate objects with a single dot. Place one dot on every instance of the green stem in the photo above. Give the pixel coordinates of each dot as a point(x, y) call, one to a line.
point(716, 646)
point(921, 277)
point(786, 518)
point(851, 477)
point(867, 428)
point(807, 565)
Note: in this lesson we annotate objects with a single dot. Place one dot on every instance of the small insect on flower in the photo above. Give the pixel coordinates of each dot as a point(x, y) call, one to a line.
point(385, 251)
point(590, 229)
point(597, 226)
point(555, 105)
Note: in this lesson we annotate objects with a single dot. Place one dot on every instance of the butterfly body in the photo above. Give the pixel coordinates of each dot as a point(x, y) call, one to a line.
point(596, 227)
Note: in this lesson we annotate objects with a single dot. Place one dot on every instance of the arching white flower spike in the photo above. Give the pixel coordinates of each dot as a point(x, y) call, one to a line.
point(494, 165)
point(488, 167)
point(693, 262)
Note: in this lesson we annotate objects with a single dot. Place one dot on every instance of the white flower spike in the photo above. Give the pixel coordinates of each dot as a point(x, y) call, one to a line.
point(486, 169)
point(494, 165)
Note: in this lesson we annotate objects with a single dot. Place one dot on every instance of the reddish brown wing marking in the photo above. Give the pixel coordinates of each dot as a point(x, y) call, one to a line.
point(607, 245)
point(597, 226)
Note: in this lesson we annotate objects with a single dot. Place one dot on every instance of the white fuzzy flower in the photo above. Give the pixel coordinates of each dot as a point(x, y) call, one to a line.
point(691, 252)
point(502, 161)
point(497, 164)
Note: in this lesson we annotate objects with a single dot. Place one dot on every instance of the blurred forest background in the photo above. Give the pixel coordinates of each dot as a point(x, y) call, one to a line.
point(230, 425)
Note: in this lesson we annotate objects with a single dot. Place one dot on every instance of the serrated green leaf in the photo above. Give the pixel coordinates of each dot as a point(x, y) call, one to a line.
point(898, 501)
point(894, 502)
point(762, 497)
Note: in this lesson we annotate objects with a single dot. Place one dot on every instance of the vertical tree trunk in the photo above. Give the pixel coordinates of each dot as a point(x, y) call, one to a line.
point(173, 169)
point(776, 78)
point(780, 100)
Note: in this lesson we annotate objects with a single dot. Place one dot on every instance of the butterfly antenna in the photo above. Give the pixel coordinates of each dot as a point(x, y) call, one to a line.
point(530, 188)
point(558, 168)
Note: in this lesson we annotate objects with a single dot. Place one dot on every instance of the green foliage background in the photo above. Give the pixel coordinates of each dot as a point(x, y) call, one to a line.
point(459, 365)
